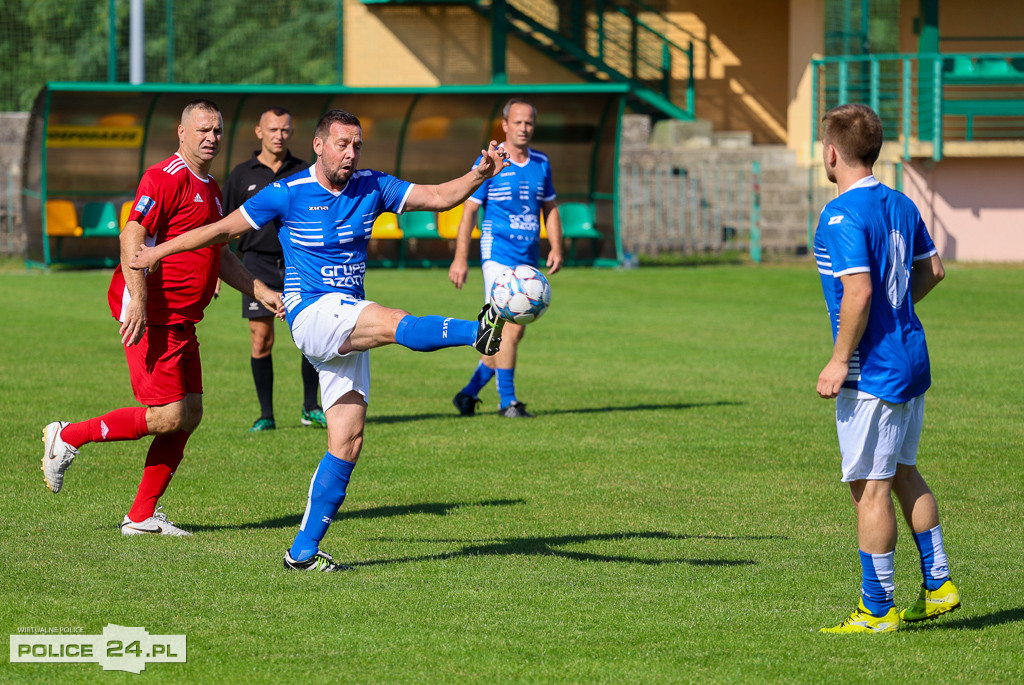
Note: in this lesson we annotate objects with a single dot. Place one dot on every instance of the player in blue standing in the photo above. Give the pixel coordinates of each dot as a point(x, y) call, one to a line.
point(510, 235)
point(876, 260)
point(326, 215)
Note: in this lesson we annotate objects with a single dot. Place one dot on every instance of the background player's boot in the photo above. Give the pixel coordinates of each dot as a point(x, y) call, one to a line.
point(488, 331)
point(933, 603)
point(157, 524)
point(57, 455)
point(466, 404)
point(516, 410)
point(314, 417)
point(321, 561)
point(863, 621)
point(263, 424)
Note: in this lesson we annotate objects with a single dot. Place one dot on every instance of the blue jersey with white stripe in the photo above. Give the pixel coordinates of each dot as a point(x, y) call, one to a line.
point(874, 229)
point(324, 233)
point(512, 201)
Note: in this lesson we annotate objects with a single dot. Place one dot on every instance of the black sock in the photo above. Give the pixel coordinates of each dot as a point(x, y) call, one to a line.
point(263, 375)
point(310, 386)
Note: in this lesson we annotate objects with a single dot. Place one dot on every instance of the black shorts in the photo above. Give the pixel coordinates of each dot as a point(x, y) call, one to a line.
point(267, 267)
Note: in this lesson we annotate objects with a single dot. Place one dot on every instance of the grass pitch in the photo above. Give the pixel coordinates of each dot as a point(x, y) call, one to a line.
point(673, 514)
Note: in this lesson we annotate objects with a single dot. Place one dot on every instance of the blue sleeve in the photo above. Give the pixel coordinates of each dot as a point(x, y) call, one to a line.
point(393, 192)
point(845, 240)
point(549, 186)
point(268, 205)
point(923, 245)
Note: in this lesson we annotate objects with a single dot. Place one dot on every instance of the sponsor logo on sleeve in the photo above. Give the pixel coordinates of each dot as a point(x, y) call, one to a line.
point(835, 220)
point(145, 204)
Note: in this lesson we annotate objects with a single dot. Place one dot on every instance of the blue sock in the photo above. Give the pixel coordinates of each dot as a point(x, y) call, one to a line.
point(428, 333)
point(877, 586)
point(326, 493)
point(934, 564)
point(481, 377)
point(506, 386)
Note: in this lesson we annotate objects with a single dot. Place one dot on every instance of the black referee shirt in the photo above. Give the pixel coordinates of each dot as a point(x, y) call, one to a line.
point(247, 179)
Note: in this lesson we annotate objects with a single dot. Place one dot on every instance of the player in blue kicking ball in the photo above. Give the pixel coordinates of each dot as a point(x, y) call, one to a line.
point(326, 215)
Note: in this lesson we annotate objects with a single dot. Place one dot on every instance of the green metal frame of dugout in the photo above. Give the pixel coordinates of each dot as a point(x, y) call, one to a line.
point(89, 143)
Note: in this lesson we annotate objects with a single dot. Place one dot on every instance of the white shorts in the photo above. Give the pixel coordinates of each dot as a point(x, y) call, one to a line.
point(319, 331)
point(491, 269)
point(875, 435)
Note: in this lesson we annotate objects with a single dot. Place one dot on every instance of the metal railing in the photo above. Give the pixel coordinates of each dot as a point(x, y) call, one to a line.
point(927, 100)
point(620, 39)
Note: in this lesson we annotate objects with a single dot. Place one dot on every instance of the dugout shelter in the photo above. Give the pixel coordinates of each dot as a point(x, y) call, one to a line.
point(89, 143)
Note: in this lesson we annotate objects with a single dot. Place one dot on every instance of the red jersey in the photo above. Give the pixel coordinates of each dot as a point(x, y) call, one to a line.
point(170, 201)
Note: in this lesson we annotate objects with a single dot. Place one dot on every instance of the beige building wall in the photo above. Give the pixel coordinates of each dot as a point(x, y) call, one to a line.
point(429, 45)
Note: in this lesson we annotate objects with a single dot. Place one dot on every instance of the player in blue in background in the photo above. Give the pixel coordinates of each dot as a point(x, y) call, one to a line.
point(512, 204)
point(876, 260)
point(326, 214)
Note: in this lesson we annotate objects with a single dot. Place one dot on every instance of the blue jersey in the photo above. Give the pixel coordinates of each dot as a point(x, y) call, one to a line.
point(512, 203)
point(324, 233)
point(873, 229)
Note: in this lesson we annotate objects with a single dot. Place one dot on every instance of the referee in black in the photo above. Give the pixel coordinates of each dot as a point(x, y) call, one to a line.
point(261, 253)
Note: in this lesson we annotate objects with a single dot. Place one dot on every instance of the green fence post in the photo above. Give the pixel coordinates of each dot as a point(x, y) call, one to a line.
point(339, 43)
point(939, 134)
point(170, 40)
point(907, 113)
point(755, 214)
point(112, 41)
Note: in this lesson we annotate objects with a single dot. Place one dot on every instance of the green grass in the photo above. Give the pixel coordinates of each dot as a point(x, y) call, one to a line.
point(674, 513)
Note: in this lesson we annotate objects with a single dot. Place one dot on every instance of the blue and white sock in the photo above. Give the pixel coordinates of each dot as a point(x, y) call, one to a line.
point(506, 386)
point(481, 377)
point(877, 586)
point(934, 564)
point(429, 333)
point(326, 493)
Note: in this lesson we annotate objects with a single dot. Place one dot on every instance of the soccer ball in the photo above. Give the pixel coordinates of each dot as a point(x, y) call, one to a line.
point(521, 295)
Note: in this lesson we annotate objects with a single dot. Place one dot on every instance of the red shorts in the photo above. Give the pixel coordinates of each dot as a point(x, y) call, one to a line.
point(164, 366)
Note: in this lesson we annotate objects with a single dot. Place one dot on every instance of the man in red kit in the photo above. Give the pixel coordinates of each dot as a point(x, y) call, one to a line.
point(158, 312)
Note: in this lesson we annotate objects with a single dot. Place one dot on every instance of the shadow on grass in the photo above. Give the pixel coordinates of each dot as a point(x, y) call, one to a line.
point(973, 622)
point(553, 412)
point(433, 508)
point(548, 546)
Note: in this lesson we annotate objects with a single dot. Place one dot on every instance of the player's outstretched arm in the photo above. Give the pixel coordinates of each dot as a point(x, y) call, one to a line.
point(437, 198)
point(553, 225)
point(218, 232)
point(234, 273)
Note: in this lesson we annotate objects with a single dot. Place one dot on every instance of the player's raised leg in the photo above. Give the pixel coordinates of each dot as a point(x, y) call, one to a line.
point(62, 439)
point(378, 326)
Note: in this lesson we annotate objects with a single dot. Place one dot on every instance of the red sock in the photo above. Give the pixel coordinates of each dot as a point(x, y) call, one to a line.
point(121, 424)
point(164, 456)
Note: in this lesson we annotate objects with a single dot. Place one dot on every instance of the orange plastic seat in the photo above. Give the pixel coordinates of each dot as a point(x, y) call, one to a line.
point(448, 223)
point(385, 227)
point(62, 219)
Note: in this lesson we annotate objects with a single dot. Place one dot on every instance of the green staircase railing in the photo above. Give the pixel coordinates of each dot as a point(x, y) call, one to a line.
point(927, 100)
point(625, 41)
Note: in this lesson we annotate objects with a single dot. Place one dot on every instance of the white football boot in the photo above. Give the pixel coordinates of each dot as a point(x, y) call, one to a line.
point(157, 524)
point(57, 455)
